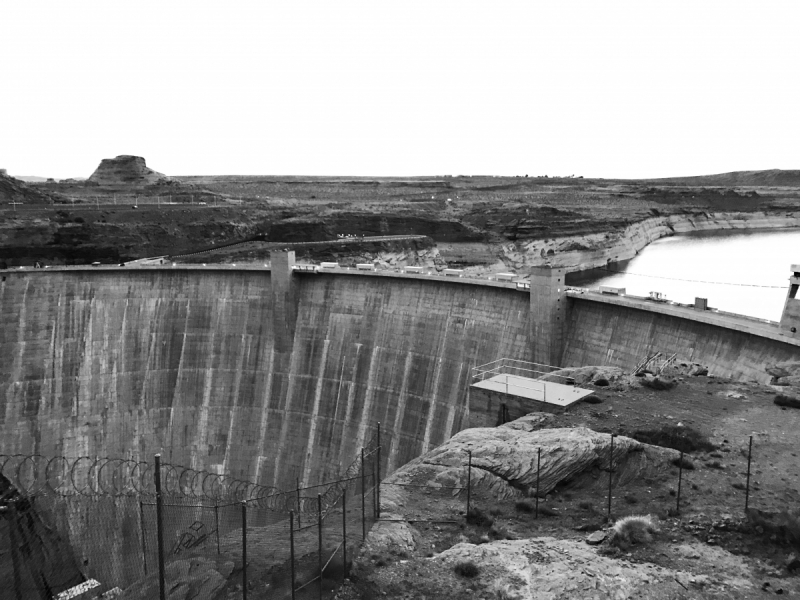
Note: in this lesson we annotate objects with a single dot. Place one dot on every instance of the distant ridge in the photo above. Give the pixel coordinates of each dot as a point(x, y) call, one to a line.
point(772, 177)
point(13, 190)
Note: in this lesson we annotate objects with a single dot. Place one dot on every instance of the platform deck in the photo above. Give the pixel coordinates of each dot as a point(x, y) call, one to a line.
point(548, 392)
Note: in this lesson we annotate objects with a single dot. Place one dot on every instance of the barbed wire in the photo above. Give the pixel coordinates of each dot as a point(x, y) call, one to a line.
point(31, 475)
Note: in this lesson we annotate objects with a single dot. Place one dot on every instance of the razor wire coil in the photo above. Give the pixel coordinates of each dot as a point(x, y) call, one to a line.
point(33, 474)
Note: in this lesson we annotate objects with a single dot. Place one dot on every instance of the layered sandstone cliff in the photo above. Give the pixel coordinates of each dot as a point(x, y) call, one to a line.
point(125, 169)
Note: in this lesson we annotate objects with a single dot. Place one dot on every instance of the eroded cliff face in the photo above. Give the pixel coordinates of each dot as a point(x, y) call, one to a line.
point(596, 250)
point(125, 170)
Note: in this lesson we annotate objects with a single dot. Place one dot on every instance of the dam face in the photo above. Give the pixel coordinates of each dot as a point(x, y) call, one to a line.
point(229, 371)
point(270, 377)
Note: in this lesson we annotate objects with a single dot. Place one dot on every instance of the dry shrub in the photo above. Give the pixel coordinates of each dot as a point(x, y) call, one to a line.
point(467, 568)
point(525, 506)
point(635, 529)
point(683, 439)
point(477, 517)
point(784, 400)
point(683, 463)
point(657, 383)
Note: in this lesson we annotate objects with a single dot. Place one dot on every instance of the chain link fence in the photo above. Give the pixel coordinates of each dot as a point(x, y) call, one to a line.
point(298, 543)
point(93, 527)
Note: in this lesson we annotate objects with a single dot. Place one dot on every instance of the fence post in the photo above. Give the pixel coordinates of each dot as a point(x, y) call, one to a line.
point(680, 478)
point(747, 487)
point(216, 521)
point(378, 478)
point(299, 524)
point(162, 593)
point(374, 498)
point(319, 533)
point(244, 550)
point(344, 533)
point(610, 473)
point(291, 548)
point(141, 532)
point(363, 498)
point(469, 480)
point(538, 469)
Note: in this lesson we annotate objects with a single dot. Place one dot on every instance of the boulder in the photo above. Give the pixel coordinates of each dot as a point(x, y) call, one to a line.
point(596, 538)
point(783, 369)
point(588, 375)
point(505, 461)
point(195, 578)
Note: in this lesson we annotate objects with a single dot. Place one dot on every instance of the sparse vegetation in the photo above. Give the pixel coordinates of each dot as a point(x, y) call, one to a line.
point(545, 511)
point(683, 439)
point(784, 400)
point(525, 506)
point(635, 529)
point(498, 532)
point(477, 517)
point(683, 463)
point(467, 569)
point(657, 383)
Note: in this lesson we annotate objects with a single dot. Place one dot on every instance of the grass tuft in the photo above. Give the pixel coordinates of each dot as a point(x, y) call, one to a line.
point(525, 506)
point(467, 568)
point(684, 463)
point(635, 529)
point(790, 401)
point(477, 517)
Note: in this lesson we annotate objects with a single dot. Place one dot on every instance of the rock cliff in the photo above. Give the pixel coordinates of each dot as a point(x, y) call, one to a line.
point(125, 170)
point(597, 250)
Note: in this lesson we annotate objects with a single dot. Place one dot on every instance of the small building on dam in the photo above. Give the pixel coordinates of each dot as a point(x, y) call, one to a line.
point(274, 375)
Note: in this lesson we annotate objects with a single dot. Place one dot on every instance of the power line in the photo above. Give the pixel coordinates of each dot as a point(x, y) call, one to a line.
point(691, 280)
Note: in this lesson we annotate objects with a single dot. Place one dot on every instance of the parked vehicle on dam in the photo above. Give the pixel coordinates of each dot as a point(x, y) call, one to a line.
point(616, 291)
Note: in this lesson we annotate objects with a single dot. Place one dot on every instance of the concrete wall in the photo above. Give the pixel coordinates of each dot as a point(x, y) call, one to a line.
point(134, 362)
point(611, 333)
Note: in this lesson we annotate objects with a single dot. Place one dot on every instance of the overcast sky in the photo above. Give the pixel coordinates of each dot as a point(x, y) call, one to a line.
point(599, 88)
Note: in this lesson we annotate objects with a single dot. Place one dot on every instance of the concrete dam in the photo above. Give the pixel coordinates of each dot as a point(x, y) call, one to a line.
point(237, 372)
point(269, 376)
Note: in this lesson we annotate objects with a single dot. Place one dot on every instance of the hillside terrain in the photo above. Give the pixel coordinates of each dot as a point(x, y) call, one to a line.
point(706, 545)
point(125, 210)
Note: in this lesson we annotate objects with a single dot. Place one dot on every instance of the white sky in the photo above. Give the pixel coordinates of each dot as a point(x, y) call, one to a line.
point(598, 88)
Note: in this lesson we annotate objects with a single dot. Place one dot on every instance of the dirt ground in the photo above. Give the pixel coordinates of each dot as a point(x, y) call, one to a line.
point(708, 535)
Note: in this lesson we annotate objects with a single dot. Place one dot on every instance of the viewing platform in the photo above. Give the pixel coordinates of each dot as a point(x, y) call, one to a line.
point(537, 385)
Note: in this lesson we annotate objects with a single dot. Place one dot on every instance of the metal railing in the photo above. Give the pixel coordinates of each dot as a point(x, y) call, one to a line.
point(514, 373)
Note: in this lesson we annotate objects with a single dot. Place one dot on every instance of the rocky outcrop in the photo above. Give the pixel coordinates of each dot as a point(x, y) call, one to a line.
point(599, 249)
point(786, 381)
point(545, 567)
point(125, 170)
point(504, 461)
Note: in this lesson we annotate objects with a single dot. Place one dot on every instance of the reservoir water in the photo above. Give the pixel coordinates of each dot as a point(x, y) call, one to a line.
point(744, 272)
